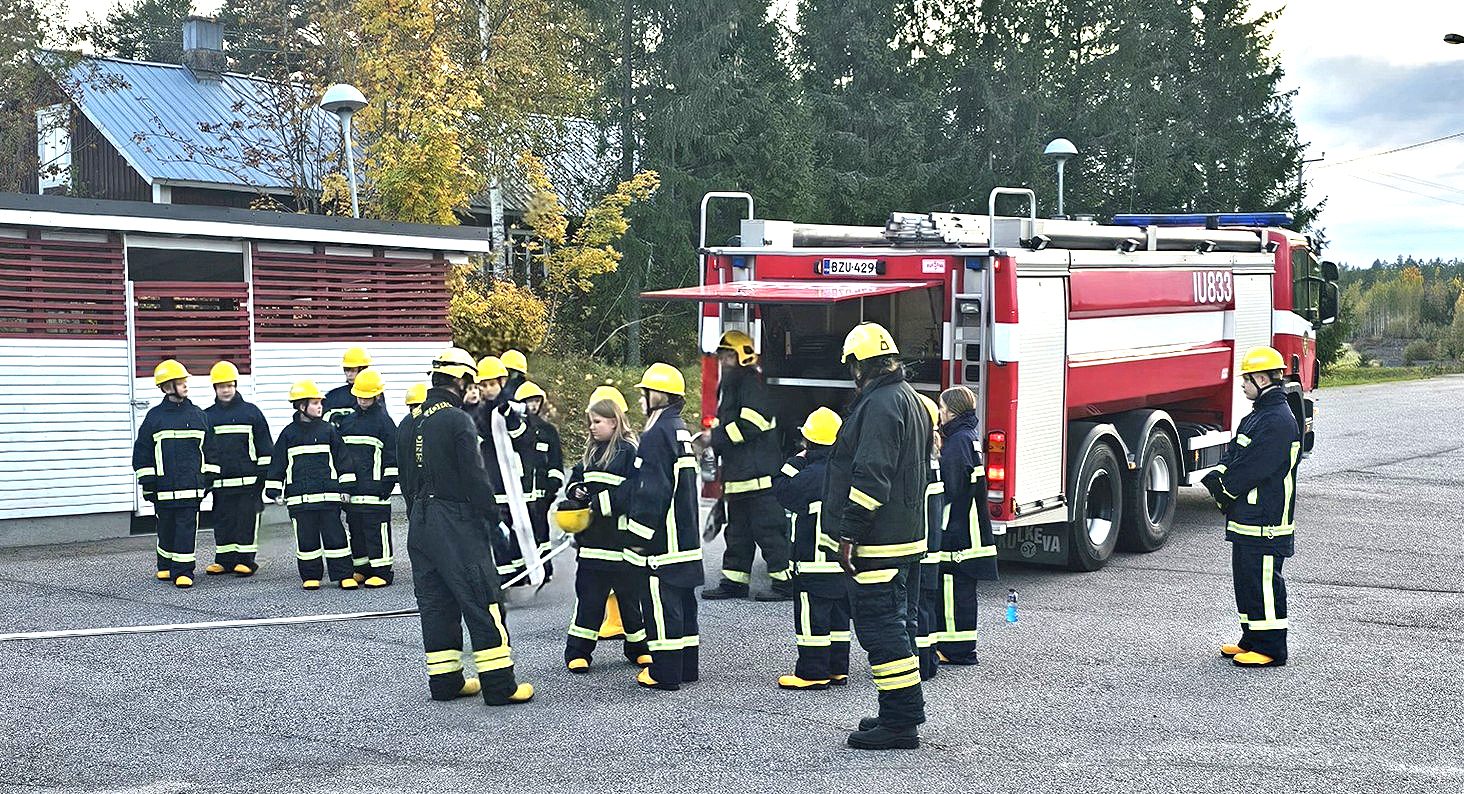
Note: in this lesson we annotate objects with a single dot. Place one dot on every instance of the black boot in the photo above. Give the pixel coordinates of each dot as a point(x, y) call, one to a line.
point(781, 591)
point(727, 589)
point(881, 738)
point(868, 723)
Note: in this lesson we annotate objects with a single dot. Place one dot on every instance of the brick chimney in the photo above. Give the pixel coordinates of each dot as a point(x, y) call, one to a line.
point(203, 48)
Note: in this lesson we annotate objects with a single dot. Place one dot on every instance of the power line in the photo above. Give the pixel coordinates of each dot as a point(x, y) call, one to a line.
point(1406, 190)
point(1395, 150)
point(1419, 181)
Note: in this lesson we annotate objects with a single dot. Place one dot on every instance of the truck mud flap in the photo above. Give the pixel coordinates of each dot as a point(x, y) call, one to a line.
point(1044, 545)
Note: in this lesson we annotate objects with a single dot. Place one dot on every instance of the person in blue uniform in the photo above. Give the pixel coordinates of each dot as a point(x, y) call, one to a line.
point(309, 472)
point(968, 549)
point(371, 443)
point(339, 401)
point(173, 459)
point(244, 445)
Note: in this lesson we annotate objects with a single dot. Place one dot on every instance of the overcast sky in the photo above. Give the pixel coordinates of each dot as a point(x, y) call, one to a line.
point(1369, 77)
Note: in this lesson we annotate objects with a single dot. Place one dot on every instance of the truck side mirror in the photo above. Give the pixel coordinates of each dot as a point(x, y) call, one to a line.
point(1329, 271)
point(1329, 302)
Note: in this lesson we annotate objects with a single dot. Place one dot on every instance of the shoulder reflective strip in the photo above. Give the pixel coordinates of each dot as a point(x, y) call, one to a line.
point(245, 430)
point(192, 493)
point(789, 470)
point(368, 441)
point(864, 500)
point(756, 419)
point(875, 577)
point(369, 500)
point(603, 477)
point(604, 500)
point(744, 486)
point(592, 553)
point(734, 434)
point(146, 472)
point(1242, 439)
point(1260, 532)
point(314, 498)
point(234, 482)
point(896, 667)
point(639, 529)
point(891, 549)
point(1222, 468)
point(584, 634)
point(541, 446)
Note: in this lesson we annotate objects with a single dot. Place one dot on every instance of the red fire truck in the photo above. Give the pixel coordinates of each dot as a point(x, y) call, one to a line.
point(1103, 355)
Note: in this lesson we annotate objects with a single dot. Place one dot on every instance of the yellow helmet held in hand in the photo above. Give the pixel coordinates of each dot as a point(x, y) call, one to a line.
point(930, 408)
point(606, 392)
point(169, 370)
point(741, 344)
point(867, 341)
point(305, 390)
point(516, 361)
point(223, 372)
point(456, 362)
point(368, 384)
point(572, 520)
point(355, 358)
point(416, 394)
point(1262, 359)
point(822, 427)
point(663, 378)
point(529, 390)
point(491, 367)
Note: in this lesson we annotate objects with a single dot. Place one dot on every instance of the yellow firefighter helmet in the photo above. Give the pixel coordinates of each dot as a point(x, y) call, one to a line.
point(1262, 359)
point(741, 344)
point(821, 427)
point(169, 370)
point(516, 361)
point(930, 408)
point(606, 392)
point(456, 362)
point(416, 394)
point(868, 340)
point(572, 520)
point(528, 390)
point(223, 372)
point(663, 378)
point(355, 358)
point(305, 390)
point(491, 367)
point(368, 384)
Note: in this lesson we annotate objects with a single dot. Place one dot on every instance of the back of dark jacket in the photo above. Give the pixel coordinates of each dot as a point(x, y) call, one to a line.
point(664, 504)
point(243, 442)
point(442, 459)
point(746, 436)
point(964, 474)
point(877, 476)
point(371, 443)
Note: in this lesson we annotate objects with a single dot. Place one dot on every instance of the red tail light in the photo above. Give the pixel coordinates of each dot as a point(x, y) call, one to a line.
point(707, 422)
point(996, 469)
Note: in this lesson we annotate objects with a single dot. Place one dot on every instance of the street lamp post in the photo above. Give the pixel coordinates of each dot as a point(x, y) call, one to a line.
point(1061, 150)
point(344, 100)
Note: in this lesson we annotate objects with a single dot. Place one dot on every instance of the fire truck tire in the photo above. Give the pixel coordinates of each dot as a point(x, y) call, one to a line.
point(1150, 495)
point(1097, 510)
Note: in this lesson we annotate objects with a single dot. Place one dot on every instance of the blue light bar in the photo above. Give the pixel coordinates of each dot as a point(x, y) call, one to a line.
point(1208, 220)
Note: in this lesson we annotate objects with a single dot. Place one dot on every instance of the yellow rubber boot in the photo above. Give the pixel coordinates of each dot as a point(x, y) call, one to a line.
point(645, 680)
point(244, 570)
point(523, 694)
point(1253, 659)
point(644, 660)
point(1231, 651)
point(794, 682)
point(578, 665)
point(376, 581)
point(311, 584)
point(611, 628)
point(471, 686)
point(183, 581)
point(165, 575)
point(214, 569)
point(349, 584)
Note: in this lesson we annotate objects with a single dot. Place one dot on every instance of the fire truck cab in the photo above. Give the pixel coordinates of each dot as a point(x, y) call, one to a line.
point(1102, 355)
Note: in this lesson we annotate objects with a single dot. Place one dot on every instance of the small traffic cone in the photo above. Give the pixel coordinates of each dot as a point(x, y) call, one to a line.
point(611, 628)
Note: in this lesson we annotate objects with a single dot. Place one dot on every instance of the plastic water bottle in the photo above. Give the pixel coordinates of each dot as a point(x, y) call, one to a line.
point(1011, 606)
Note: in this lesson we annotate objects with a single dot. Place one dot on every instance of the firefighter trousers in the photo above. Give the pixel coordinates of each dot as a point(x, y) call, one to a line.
point(756, 521)
point(1260, 597)
point(671, 631)
point(371, 547)
point(592, 586)
point(958, 633)
point(821, 622)
point(321, 545)
point(929, 633)
point(177, 534)
point(539, 518)
point(886, 604)
point(236, 514)
point(506, 548)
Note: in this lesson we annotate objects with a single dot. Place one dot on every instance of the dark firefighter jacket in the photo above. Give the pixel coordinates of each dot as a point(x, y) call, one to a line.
point(799, 489)
point(603, 543)
point(441, 459)
point(1258, 475)
point(518, 434)
point(337, 403)
point(309, 466)
point(175, 453)
point(243, 441)
point(543, 460)
point(877, 476)
point(935, 516)
point(746, 433)
point(371, 444)
point(663, 504)
point(964, 475)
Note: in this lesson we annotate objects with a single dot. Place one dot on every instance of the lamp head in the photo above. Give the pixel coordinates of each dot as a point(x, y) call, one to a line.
point(1060, 149)
point(342, 98)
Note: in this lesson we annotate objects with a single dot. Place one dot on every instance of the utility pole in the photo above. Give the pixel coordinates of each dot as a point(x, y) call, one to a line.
point(1301, 175)
point(627, 170)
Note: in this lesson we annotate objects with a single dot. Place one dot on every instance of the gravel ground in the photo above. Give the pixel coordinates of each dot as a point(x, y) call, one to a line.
point(1110, 680)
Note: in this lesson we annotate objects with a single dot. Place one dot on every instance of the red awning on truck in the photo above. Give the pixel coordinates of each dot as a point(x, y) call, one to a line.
point(788, 291)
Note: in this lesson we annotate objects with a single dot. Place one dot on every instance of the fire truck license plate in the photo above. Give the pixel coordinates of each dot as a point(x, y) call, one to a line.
point(850, 267)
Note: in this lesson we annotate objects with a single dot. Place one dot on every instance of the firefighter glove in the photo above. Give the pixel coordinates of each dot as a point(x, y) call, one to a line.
point(579, 492)
point(846, 556)
point(1212, 484)
point(150, 496)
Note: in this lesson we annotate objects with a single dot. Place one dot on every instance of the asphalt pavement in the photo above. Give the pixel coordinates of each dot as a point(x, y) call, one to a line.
point(1109, 682)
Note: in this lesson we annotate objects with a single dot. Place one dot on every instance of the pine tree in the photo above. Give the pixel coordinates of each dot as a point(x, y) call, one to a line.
point(144, 30)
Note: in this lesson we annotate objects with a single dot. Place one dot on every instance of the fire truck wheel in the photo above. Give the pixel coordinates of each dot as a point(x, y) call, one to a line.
point(1098, 511)
point(1150, 496)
